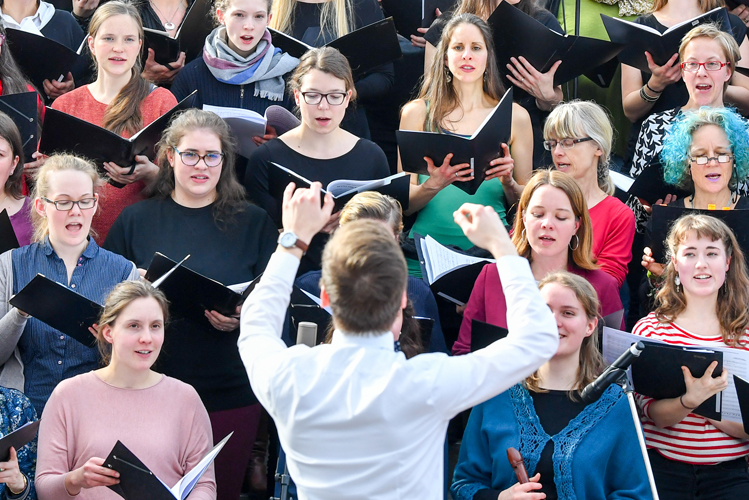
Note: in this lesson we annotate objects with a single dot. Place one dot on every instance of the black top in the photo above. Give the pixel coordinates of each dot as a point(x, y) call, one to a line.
point(199, 355)
point(555, 410)
point(63, 28)
point(676, 94)
point(151, 19)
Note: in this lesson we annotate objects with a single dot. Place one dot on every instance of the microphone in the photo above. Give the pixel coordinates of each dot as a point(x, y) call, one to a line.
point(306, 333)
point(594, 390)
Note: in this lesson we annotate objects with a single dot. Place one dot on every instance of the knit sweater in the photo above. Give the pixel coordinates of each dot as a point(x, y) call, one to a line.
point(80, 103)
point(165, 425)
point(596, 456)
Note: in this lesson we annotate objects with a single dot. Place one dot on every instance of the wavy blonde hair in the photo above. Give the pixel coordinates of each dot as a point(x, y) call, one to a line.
point(337, 16)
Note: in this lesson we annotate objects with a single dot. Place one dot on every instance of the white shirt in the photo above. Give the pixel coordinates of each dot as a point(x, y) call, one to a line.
point(356, 419)
point(32, 24)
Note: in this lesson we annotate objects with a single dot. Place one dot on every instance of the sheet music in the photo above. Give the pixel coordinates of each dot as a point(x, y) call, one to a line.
point(440, 260)
point(317, 301)
point(185, 485)
point(736, 361)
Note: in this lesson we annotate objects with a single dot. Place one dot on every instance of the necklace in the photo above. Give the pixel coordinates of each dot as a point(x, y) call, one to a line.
point(732, 199)
point(168, 24)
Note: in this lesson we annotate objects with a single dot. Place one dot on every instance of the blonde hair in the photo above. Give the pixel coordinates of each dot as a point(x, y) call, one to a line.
point(724, 39)
point(577, 119)
point(336, 18)
point(582, 255)
point(733, 296)
point(123, 114)
point(58, 163)
point(373, 205)
point(591, 361)
point(121, 296)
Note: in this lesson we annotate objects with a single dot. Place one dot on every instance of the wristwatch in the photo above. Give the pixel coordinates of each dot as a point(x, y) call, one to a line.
point(289, 240)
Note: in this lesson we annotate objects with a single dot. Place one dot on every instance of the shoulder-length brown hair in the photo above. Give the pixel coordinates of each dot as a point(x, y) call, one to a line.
point(230, 195)
point(123, 114)
point(582, 255)
point(439, 92)
point(733, 296)
point(591, 360)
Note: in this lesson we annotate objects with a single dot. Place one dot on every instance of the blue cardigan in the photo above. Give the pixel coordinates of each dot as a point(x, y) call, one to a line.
point(596, 456)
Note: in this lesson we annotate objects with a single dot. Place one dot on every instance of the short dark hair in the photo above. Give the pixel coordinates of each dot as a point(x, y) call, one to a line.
point(9, 132)
point(364, 274)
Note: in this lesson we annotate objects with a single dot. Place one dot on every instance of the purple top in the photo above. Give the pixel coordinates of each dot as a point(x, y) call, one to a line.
point(21, 222)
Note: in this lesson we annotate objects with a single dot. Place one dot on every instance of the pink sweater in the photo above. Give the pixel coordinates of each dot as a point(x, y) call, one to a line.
point(166, 426)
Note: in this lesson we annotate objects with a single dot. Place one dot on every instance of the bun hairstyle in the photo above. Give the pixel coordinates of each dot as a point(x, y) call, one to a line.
point(123, 116)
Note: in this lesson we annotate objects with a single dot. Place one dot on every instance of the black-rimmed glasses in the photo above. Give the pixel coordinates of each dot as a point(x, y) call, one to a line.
point(191, 158)
point(333, 98)
point(67, 205)
point(565, 143)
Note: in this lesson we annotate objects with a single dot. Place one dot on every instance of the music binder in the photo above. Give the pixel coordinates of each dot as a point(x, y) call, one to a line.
point(66, 133)
point(59, 307)
point(663, 218)
point(449, 274)
point(395, 186)
point(22, 109)
point(40, 58)
point(485, 334)
point(638, 38)
point(657, 373)
point(190, 37)
point(190, 293)
point(137, 482)
point(518, 34)
point(365, 48)
point(18, 439)
point(742, 392)
point(8, 238)
point(478, 150)
point(651, 187)
point(408, 17)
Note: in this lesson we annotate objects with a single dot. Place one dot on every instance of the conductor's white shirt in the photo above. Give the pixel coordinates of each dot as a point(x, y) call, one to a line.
point(359, 421)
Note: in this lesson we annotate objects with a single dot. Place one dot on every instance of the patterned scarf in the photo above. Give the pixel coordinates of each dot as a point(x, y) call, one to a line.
point(265, 67)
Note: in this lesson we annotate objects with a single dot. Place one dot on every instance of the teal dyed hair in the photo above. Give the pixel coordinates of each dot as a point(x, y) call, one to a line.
point(678, 143)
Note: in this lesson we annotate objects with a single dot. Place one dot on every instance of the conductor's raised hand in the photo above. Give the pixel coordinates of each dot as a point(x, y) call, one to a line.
point(444, 175)
point(663, 76)
point(90, 475)
point(483, 227)
point(524, 491)
point(302, 213)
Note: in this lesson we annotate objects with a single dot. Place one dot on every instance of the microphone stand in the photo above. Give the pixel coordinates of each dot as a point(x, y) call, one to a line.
point(626, 386)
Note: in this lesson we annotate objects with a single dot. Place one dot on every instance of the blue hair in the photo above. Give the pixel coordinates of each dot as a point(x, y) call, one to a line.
point(678, 142)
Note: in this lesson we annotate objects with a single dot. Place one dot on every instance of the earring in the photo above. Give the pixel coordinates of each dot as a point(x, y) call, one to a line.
point(522, 233)
point(677, 282)
point(448, 75)
point(577, 242)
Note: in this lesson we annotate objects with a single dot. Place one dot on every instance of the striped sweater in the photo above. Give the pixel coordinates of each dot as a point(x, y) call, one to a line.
point(694, 440)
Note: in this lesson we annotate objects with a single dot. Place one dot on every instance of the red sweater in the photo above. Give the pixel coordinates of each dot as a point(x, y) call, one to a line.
point(81, 104)
point(613, 232)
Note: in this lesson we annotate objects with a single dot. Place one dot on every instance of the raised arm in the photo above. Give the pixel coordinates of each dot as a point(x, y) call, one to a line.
point(635, 107)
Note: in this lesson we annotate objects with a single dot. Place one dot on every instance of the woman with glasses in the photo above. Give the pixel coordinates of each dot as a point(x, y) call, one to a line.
point(120, 100)
point(579, 136)
point(318, 149)
point(199, 208)
point(455, 98)
point(37, 357)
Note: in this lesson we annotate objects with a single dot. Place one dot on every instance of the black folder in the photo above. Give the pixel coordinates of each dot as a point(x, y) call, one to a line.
point(657, 373)
point(518, 34)
point(638, 38)
point(478, 150)
point(365, 48)
point(8, 238)
point(40, 58)
point(664, 217)
point(396, 186)
point(190, 36)
point(18, 439)
point(426, 326)
point(22, 109)
point(66, 133)
point(409, 15)
point(190, 294)
point(59, 307)
point(485, 334)
point(742, 392)
point(651, 187)
point(137, 482)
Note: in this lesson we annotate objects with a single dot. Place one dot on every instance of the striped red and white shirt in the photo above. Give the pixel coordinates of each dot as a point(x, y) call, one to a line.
point(693, 440)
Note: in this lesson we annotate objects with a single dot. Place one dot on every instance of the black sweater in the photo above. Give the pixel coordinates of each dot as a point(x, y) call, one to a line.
point(198, 354)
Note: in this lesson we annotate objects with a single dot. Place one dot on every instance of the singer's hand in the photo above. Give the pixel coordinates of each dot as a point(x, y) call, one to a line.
point(700, 389)
point(525, 491)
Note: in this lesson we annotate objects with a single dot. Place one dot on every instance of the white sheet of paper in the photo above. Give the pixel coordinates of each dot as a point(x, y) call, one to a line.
point(440, 260)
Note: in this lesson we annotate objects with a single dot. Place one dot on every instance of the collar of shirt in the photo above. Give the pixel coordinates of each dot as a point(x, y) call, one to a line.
point(31, 24)
point(89, 253)
point(377, 340)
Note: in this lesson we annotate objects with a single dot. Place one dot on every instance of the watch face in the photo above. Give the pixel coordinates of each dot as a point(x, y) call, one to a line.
point(287, 240)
